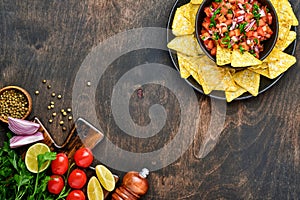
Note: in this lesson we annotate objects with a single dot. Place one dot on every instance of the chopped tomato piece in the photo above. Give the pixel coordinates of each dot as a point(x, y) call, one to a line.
point(210, 44)
point(213, 52)
point(270, 18)
point(207, 11)
point(224, 10)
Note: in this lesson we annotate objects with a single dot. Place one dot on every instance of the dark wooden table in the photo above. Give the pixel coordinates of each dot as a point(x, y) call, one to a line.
point(257, 155)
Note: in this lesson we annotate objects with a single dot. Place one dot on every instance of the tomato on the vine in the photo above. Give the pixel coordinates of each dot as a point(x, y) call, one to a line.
point(83, 157)
point(77, 179)
point(60, 164)
point(55, 184)
point(76, 195)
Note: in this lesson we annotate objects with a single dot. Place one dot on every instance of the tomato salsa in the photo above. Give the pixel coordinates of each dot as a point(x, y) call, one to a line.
point(236, 24)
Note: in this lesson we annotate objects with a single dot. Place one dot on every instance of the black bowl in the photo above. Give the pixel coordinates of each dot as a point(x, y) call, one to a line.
point(268, 44)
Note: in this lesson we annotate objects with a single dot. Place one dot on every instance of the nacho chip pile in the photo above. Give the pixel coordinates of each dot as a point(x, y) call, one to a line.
point(245, 71)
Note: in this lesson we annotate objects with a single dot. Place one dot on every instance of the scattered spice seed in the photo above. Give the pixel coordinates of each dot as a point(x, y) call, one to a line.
point(70, 118)
point(49, 86)
point(59, 96)
point(88, 83)
point(54, 114)
point(37, 92)
point(61, 122)
point(64, 113)
point(64, 128)
point(49, 107)
point(62, 110)
point(69, 109)
point(50, 121)
point(53, 94)
point(44, 81)
point(52, 106)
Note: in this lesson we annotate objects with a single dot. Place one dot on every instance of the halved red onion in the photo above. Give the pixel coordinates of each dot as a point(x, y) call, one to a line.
point(240, 6)
point(249, 26)
point(262, 13)
point(235, 38)
point(241, 12)
point(206, 38)
point(21, 140)
point(240, 18)
point(22, 127)
point(233, 25)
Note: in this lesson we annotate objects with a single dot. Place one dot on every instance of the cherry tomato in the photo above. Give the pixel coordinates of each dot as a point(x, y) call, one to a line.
point(83, 157)
point(76, 195)
point(77, 179)
point(60, 164)
point(55, 184)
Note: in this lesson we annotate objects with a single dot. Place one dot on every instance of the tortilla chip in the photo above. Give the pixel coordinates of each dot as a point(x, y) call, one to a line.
point(210, 73)
point(285, 7)
point(249, 80)
point(182, 25)
point(186, 44)
point(283, 44)
point(193, 12)
point(231, 95)
point(279, 62)
point(243, 60)
point(223, 55)
point(183, 66)
point(262, 69)
point(227, 83)
point(196, 1)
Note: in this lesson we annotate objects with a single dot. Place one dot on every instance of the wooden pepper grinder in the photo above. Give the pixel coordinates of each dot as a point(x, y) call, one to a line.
point(134, 185)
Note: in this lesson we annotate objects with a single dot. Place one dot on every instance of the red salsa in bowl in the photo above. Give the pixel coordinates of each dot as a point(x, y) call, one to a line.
point(247, 25)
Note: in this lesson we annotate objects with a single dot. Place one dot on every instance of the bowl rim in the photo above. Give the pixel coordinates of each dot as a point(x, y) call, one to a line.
point(213, 58)
point(23, 91)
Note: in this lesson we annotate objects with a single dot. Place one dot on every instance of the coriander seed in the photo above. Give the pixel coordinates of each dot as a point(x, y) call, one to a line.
point(69, 109)
point(61, 122)
point(37, 92)
point(49, 86)
point(44, 81)
point(59, 96)
point(53, 94)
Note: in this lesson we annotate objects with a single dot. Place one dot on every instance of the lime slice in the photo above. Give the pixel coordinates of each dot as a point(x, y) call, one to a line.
point(31, 157)
point(94, 189)
point(105, 177)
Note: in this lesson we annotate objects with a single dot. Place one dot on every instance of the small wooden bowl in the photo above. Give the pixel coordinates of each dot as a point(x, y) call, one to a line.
point(21, 91)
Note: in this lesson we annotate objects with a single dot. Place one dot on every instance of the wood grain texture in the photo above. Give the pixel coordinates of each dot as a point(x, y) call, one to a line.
point(257, 154)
